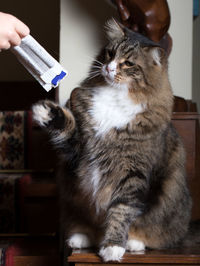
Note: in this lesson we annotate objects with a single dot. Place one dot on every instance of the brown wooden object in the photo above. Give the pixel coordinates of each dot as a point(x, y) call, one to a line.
point(178, 256)
point(38, 208)
point(187, 125)
point(148, 17)
point(186, 120)
point(32, 251)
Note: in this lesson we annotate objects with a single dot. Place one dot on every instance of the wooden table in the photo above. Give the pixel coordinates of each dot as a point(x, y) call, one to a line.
point(180, 256)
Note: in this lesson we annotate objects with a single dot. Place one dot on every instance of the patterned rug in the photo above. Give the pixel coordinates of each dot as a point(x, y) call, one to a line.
point(12, 139)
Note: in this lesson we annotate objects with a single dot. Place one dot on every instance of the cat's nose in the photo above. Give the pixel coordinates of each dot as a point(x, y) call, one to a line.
point(110, 68)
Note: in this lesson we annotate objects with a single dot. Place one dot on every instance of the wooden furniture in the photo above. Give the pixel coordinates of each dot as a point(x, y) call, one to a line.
point(38, 208)
point(34, 241)
point(187, 125)
point(148, 17)
point(26, 250)
point(181, 256)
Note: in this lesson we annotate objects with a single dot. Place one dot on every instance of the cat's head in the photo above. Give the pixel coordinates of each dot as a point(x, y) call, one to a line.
point(130, 59)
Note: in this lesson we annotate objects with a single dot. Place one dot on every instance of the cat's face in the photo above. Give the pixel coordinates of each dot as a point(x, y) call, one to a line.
point(127, 61)
point(122, 63)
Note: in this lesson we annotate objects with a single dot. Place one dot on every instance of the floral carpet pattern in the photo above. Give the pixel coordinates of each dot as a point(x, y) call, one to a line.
point(12, 137)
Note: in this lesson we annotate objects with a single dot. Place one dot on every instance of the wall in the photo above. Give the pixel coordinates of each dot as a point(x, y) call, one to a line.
point(81, 24)
point(180, 62)
point(81, 36)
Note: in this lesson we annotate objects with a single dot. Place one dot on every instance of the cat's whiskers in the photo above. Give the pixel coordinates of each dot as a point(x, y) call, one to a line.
point(94, 74)
point(98, 62)
point(94, 60)
point(94, 66)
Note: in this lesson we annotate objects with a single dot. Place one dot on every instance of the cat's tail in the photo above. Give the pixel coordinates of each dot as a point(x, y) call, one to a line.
point(193, 236)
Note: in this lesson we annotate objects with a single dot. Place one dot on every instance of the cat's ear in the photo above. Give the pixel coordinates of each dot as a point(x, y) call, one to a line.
point(158, 54)
point(114, 29)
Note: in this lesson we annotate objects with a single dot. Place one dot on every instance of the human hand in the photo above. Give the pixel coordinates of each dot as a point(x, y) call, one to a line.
point(12, 30)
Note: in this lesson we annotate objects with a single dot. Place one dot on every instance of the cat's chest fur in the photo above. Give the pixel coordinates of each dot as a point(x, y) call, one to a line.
point(112, 108)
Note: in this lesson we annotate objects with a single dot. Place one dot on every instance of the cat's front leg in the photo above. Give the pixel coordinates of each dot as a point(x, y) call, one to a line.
point(57, 120)
point(127, 204)
point(116, 233)
point(119, 220)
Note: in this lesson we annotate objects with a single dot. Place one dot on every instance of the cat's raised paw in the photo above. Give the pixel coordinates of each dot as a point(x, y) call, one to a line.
point(47, 113)
point(79, 241)
point(112, 253)
point(41, 114)
point(135, 245)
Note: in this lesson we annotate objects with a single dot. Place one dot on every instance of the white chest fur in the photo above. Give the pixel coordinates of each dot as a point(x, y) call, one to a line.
point(113, 108)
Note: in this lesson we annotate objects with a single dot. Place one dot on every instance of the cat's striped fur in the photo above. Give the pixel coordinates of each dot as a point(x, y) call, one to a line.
point(122, 177)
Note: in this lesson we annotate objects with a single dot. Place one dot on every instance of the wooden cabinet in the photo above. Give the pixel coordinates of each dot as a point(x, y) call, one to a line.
point(26, 250)
point(187, 125)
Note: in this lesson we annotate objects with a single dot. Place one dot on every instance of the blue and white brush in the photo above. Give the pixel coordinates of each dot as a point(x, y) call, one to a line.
point(43, 67)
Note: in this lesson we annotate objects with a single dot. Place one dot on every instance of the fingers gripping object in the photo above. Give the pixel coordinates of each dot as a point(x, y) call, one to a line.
point(42, 66)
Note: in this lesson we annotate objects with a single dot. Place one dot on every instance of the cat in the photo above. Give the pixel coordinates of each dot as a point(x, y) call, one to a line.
point(122, 176)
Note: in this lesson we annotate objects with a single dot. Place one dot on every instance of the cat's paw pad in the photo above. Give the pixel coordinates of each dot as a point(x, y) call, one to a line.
point(79, 241)
point(112, 253)
point(135, 245)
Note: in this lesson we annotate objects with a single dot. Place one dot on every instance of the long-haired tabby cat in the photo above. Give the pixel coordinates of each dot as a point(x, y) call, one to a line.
point(122, 176)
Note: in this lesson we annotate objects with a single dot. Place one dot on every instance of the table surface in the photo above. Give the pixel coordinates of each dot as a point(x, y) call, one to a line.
point(189, 255)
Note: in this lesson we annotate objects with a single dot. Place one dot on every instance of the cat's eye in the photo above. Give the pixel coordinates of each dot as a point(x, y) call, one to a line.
point(110, 53)
point(128, 63)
